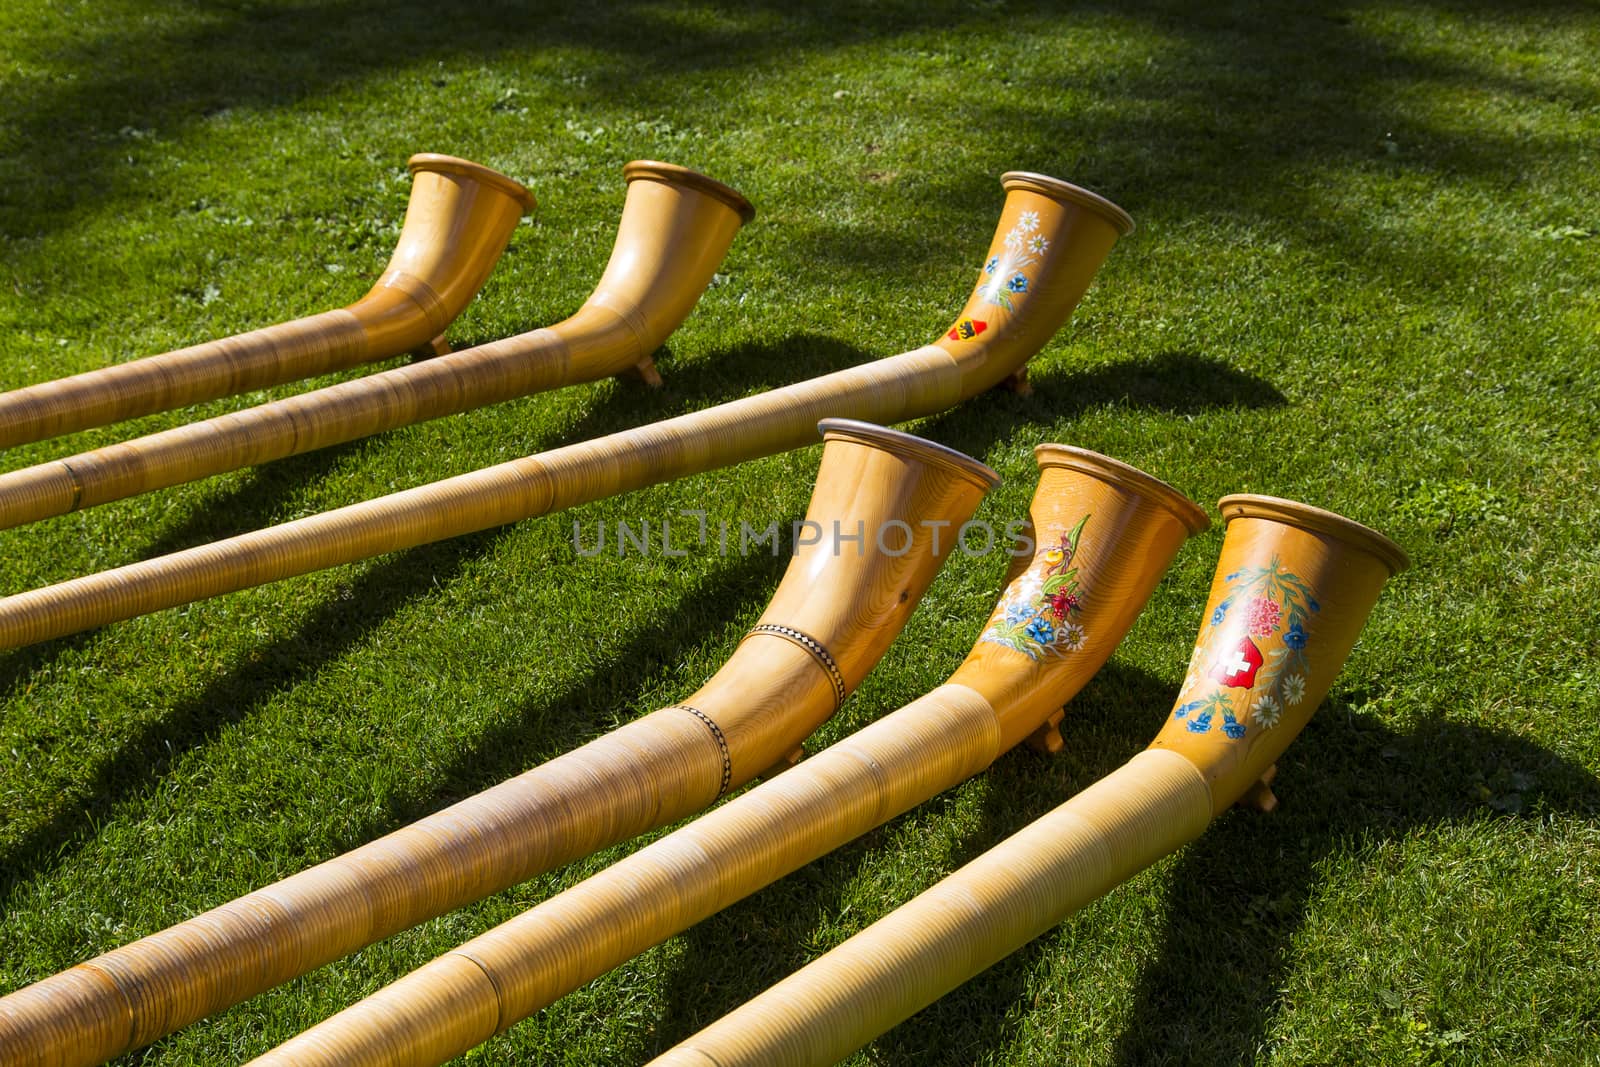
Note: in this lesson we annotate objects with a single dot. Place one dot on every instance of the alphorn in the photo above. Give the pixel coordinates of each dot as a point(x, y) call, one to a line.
point(840, 604)
point(676, 227)
point(1052, 238)
point(457, 223)
point(1293, 589)
point(1105, 534)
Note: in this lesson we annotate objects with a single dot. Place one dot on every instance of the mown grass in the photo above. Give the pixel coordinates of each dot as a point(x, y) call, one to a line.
point(1365, 277)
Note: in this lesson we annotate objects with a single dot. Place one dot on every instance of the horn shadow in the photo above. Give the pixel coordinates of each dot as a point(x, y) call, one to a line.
point(774, 932)
point(1263, 870)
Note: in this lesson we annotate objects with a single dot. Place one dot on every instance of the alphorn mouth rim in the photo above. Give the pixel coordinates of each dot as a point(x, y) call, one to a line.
point(465, 168)
point(1316, 520)
point(1126, 475)
point(1057, 189)
point(902, 443)
point(672, 174)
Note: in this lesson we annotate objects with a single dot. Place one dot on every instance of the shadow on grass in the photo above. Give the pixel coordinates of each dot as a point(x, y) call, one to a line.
point(1320, 71)
point(719, 377)
point(542, 729)
point(148, 76)
point(339, 624)
point(255, 502)
point(1252, 874)
point(1238, 895)
point(731, 956)
point(1347, 778)
point(260, 499)
point(153, 747)
point(1173, 383)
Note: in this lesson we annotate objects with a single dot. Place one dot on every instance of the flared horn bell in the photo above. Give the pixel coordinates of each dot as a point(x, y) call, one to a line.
point(675, 230)
point(459, 218)
point(676, 227)
point(1107, 533)
point(457, 223)
point(839, 605)
point(882, 501)
point(1051, 240)
point(1293, 589)
point(1103, 534)
point(1080, 227)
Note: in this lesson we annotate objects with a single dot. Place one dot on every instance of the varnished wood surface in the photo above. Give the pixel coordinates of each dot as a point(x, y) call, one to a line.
point(1077, 232)
point(457, 223)
point(445, 1008)
point(1161, 799)
point(676, 227)
point(790, 674)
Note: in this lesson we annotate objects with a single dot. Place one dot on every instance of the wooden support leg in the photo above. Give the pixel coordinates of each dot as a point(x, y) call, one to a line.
point(1047, 738)
point(1017, 382)
point(436, 347)
point(645, 371)
point(1259, 795)
point(784, 764)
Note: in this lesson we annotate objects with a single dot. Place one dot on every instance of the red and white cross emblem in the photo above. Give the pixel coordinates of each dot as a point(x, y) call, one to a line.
point(1236, 667)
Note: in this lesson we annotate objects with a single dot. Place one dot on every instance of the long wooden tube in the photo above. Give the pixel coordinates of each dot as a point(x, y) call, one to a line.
point(457, 224)
point(1106, 533)
point(1052, 238)
point(676, 227)
point(840, 604)
point(1292, 591)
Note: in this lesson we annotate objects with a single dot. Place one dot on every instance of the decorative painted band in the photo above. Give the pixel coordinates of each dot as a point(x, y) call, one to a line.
point(816, 648)
point(722, 743)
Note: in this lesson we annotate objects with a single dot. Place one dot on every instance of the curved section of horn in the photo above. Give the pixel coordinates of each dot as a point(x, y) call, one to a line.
point(457, 223)
point(1292, 591)
point(1076, 231)
point(838, 606)
point(1107, 533)
point(676, 227)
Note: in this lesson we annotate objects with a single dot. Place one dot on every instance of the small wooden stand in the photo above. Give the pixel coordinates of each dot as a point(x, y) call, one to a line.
point(1259, 795)
point(1047, 738)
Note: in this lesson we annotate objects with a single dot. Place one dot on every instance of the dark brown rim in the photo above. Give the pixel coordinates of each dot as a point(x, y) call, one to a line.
point(672, 174)
point(1057, 189)
point(465, 168)
point(1129, 477)
point(1317, 520)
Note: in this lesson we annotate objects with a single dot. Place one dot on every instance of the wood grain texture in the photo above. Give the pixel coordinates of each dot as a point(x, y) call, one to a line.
point(457, 223)
point(676, 228)
point(1161, 799)
point(1076, 231)
point(879, 772)
point(668, 764)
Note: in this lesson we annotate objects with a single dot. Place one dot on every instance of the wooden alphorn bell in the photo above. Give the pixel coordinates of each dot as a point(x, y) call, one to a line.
point(1292, 591)
point(840, 604)
point(457, 223)
point(1052, 238)
point(1105, 533)
point(676, 227)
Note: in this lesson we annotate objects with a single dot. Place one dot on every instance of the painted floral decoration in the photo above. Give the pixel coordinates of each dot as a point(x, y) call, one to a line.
point(1005, 276)
point(1270, 602)
point(1039, 614)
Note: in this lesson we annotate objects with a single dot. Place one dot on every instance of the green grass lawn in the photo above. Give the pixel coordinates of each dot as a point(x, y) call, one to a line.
point(1367, 276)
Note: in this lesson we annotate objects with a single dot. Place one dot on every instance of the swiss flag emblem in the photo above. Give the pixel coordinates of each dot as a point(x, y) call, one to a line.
point(1237, 666)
